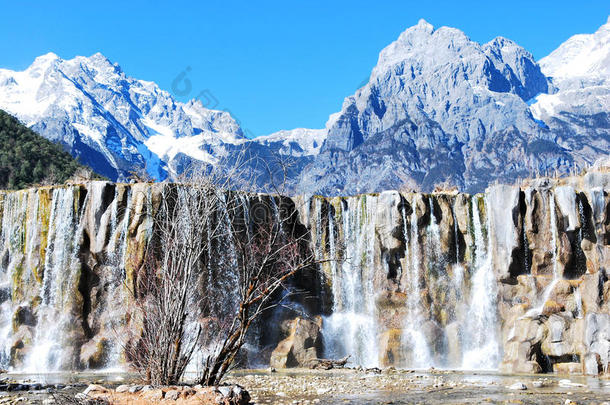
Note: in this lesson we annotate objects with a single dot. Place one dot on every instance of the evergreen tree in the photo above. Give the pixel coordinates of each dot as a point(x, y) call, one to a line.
point(28, 159)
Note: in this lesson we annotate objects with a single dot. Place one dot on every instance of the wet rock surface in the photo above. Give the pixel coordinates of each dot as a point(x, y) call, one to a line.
point(516, 277)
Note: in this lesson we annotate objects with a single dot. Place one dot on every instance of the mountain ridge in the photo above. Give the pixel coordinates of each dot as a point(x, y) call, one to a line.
point(438, 108)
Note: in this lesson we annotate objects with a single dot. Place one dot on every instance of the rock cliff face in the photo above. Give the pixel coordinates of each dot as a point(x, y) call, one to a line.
point(441, 108)
point(515, 278)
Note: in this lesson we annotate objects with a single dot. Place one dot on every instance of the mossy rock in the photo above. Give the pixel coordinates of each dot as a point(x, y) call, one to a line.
point(23, 316)
point(18, 353)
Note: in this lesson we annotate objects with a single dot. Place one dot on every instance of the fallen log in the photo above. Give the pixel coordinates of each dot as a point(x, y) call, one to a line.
point(327, 364)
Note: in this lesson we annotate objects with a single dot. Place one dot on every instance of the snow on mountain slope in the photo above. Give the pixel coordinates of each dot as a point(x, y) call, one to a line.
point(296, 142)
point(580, 71)
point(439, 108)
point(578, 111)
point(584, 55)
point(111, 121)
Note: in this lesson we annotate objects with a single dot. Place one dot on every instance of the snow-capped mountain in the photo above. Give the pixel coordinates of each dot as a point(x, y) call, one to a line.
point(439, 109)
point(578, 112)
point(299, 142)
point(585, 56)
point(113, 122)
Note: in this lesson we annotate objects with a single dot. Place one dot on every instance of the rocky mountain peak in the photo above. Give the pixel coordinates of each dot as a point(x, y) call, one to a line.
point(418, 41)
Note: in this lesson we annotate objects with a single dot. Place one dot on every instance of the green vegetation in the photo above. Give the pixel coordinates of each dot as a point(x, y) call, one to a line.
point(28, 159)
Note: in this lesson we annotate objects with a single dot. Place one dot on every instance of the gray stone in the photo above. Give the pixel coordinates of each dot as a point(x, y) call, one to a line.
point(518, 386)
point(172, 395)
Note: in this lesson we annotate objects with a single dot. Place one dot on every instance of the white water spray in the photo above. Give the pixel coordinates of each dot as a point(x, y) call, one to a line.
point(481, 349)
point(414, 339)
point(352, 328)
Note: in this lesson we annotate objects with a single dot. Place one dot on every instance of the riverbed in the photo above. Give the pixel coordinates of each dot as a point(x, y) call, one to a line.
point(357, 387)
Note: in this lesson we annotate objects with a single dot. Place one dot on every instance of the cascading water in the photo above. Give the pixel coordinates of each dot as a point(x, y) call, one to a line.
point(415, 342)
point(12, 243)
point(117, 245)
point(225, 260)
point(59, 284)
point(51, 238)
point(332, 248)
point(481, 348)
point(352, 329)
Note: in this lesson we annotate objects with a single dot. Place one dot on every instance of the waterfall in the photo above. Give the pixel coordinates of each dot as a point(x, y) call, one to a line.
point(117, 255)
point(415, 342)
point(12, 243)
point(117, 246)
point(352, 329)
point(224, 278)
point(59, 285)
point(481, 345)
point(526, 247)
point(394, 294)
point(553, 220)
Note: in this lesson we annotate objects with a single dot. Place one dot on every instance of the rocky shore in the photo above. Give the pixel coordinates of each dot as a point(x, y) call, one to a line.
point(346, 386)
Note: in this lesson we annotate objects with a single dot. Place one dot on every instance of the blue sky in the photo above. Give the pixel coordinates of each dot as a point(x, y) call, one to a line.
point(273, 64)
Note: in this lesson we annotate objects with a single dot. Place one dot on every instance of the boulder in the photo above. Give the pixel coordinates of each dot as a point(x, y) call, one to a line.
point(597, 339)
point(23, 316)
point(589, 291)
point(302, 345)
point(153, 395)
point(94, 388)
point(172, 395)
point(233, 395)
point(552, 307)
point(94, 353)
point(517, 386)
point(562, 290)
point(559, 341)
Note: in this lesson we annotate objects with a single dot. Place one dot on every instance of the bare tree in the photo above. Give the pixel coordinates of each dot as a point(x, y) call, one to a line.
point(270, 249)
point(213, 264)
point(164, 289)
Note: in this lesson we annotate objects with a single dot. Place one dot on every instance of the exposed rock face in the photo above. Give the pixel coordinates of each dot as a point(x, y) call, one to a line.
point(440, 108)
point(516, 278)
point(302, 345)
